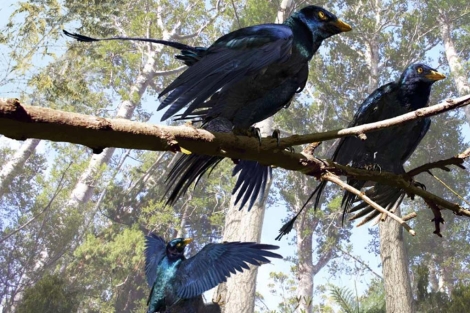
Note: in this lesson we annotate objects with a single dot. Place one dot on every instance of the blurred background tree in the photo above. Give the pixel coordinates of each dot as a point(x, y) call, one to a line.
point(72, 222)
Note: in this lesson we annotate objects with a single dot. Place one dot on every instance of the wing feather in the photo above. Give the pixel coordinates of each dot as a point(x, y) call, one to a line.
point(216, 262)
point(155, 249)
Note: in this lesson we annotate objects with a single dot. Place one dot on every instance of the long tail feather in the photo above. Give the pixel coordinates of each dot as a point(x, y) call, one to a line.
point(172, 44)
point(287, 227)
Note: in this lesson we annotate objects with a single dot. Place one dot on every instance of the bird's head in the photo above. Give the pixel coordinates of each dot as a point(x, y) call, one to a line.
point(175, 248)
point(420, 73)
point(322, 22)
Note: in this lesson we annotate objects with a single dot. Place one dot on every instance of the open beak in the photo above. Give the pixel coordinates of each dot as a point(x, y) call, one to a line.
point(435, 76)
point(187, 241)
point(344, 27)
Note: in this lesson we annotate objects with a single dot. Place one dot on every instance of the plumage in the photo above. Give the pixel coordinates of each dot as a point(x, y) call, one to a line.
point(243, 78)
point(386, 149)
point(177, 283)
point(251, 73)
point(189, 169)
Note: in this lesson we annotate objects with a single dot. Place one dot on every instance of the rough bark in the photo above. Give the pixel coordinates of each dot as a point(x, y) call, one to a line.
point(16, 162)
point(398, 295)
point(238, 294)
point(243, 226)
point(392, 248)
point(305, 273)
point(455, 62)
point(20, 122)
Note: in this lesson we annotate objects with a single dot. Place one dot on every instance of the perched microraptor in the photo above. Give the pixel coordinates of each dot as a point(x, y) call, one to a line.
point(243, 78)
point(386, 149)
point(178, 283)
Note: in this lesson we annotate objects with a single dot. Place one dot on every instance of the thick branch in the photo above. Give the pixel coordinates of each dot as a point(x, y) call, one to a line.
point(20, 122)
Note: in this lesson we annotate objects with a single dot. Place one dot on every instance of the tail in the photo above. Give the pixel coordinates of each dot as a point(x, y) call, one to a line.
point(187, 49)
point(350, 198)
point(251, 182)
point(386, 196)
point(188, 169)
point(287, 227)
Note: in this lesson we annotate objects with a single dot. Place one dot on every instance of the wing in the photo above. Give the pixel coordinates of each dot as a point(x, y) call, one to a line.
point(371, 110)
point(415, 137)
point(155, 249)
point(251, 183)
point(231, 58)
point(216, 262)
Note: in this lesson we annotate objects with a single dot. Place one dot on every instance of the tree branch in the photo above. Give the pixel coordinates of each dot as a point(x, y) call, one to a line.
point(335, 179)
point(457, 160)
point(20, 122)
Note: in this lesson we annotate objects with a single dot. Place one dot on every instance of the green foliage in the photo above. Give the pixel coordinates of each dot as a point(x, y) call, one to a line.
point(97, 248)
point(373, 301)
point(51, 294)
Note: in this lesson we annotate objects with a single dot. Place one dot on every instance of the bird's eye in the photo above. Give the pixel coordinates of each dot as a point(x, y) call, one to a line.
point(322, 15)
point(178, 245)
point(419, 70)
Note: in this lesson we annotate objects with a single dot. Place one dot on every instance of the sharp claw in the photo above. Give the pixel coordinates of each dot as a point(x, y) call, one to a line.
point(277, 134)
point(255, 132)
point(258, 134)
point(419, 185)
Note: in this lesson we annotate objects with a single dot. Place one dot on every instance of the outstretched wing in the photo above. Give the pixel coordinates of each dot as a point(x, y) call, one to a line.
point(155, 249)
point(233, 57)
point(216, 262)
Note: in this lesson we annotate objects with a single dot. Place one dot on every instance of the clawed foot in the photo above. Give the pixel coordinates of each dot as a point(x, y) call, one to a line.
point(250, 132)
point(419, 185)
point(373, 167)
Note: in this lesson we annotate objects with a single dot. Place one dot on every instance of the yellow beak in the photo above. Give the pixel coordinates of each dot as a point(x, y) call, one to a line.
point(344, 27)
point(435, 76)
point(187, 241)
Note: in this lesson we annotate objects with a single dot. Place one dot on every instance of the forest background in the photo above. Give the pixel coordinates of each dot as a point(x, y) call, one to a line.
point(76, 221)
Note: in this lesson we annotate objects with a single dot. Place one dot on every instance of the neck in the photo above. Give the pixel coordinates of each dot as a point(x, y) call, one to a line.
point(174, 257)
point(415, 95)
point(306, 42)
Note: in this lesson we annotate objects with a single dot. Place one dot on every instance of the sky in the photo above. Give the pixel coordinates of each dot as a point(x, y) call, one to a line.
point(273, 217)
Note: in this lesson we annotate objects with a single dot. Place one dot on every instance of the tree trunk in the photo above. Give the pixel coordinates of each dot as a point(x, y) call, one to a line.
point(83, 190)
point(398, 297)
point(237, 295)
point(455, 62)
point(16, 162)
point(305, 272)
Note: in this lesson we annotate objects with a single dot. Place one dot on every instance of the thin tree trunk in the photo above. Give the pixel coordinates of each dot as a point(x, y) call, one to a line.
point(238, 294)
point(455, 62)
point(16, 162)
point(398, 295)
point(305, 272)
point(84, 188)
point(243, 226)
